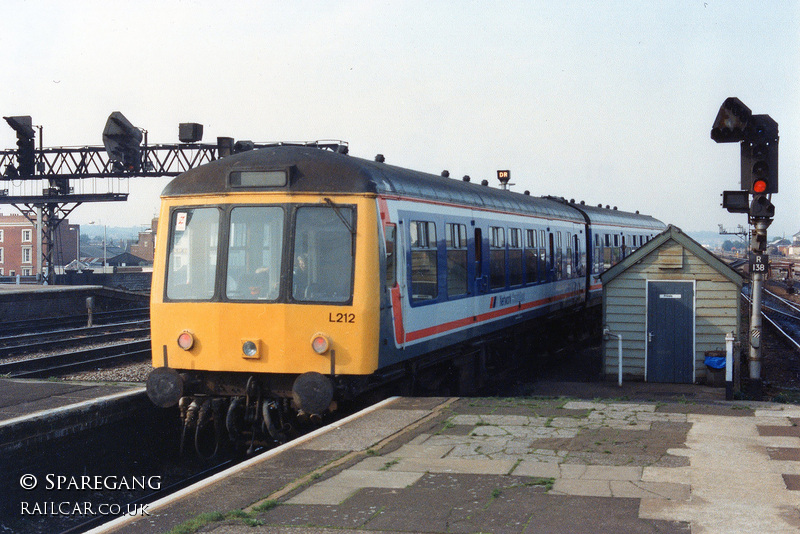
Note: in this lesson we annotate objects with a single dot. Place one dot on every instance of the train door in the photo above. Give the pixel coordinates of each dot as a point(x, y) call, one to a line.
point(543, 264)
point(551, 267)
point(394, 282)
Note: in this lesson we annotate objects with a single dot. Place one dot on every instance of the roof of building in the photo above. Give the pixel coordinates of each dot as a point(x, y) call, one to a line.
point(96, 251)
point(128, 259)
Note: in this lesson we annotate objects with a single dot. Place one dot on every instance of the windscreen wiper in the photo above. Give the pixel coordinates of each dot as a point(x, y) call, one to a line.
point(341, 217)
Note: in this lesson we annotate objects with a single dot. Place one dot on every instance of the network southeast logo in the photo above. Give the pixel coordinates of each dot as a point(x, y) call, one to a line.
point(507, 300)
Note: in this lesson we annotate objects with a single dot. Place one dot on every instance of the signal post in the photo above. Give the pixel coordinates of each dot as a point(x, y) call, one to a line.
point(758, 138)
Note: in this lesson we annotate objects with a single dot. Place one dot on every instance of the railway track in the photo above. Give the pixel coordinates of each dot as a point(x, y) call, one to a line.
point(783, 314)
point(77, 360)
point(54, 324)
point(39, 342)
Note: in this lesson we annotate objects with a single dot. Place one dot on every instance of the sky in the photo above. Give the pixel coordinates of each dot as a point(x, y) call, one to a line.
point(608, 102)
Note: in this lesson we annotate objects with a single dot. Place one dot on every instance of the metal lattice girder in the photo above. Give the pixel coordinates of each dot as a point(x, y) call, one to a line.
point(157, 160)
point(167, 160)
point(93, 161)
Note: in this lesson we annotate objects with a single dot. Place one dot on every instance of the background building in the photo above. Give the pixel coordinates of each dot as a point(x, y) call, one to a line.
point(145, 248)
point(19, 245)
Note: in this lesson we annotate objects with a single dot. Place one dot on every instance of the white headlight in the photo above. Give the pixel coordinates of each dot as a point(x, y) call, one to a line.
point(249, 349)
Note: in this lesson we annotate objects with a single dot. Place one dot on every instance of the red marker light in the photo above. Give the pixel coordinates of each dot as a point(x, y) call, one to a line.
point(185, 340)
point(320, 343)
point(759, 186)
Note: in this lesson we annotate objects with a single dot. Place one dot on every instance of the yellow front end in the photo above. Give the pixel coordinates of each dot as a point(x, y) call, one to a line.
point(271, 337)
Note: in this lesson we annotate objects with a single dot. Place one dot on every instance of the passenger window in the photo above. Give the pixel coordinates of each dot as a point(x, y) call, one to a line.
point(568, 257)
point(424, 272)
point(597, 260)
point(497, 257)
point(531, 257)
point(456, 241)
point(515, 265)
point(608, 259)
point(559, 257)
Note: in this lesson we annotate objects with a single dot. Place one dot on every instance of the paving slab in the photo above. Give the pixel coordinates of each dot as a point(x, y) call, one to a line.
point(454, 465)
point(360, 435)
point(533, 468)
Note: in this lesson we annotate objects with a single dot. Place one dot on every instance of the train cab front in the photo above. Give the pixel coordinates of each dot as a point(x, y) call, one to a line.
point(257, 313)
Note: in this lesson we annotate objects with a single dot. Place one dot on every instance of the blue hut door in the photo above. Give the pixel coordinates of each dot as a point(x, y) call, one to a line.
point(670, 331)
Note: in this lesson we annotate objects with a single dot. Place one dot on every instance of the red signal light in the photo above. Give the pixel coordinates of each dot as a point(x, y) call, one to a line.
point(759, 186)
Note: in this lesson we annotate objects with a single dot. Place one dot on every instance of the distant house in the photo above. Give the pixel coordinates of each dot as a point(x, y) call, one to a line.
point(75, 265)
point(779, 247)
point(145, 247)
point(794, 248)
point(93, 255)
point(19, 245)
point(126, 259)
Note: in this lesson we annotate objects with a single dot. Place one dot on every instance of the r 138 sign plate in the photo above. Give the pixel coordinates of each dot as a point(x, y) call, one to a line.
point(759, 263)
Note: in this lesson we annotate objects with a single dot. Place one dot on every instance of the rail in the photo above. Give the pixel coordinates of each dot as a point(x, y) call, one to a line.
point(46, 366)
point(787, 323)
point(52, 324)
point(62, 339)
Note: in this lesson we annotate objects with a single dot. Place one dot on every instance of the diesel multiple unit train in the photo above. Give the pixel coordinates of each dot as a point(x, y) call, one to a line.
point(293, 277)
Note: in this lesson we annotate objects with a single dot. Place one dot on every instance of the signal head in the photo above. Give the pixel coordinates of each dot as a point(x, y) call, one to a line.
point(23, 125)
point(122, 140)
point(731, 121)
point(759, 159)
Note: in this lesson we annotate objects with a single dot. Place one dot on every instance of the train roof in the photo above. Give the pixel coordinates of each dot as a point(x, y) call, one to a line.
point(613, 217)
point(313, 169)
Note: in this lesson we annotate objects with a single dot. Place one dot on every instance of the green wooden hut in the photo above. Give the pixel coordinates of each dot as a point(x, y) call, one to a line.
point(672, 301)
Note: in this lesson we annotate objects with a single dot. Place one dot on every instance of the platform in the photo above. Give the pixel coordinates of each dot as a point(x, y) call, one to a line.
point(650, 460)
point(27, 302)
point(36, 411)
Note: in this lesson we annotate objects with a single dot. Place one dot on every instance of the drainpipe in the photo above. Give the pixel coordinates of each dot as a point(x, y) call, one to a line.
point(607, 334)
